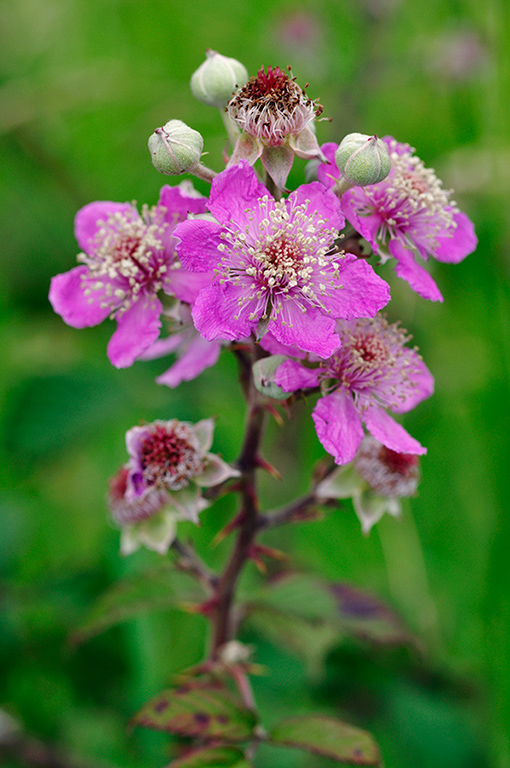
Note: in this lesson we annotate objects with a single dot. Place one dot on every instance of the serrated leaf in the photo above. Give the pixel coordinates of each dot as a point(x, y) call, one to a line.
point(212, 757)
point(158, 588)
point(199, 711)
point(329, 738)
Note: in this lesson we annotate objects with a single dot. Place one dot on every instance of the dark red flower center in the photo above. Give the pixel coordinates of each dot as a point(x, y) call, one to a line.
point(163, 450)
point(371, 348)
point(118, 484)
point(402, 463)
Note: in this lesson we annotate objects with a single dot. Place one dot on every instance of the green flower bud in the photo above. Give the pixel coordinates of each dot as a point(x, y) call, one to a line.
point(175, 148)
point(217, 78)
point(264, 372)
point(362, 160)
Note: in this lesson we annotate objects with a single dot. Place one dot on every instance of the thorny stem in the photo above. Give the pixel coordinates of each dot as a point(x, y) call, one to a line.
point(189, 561)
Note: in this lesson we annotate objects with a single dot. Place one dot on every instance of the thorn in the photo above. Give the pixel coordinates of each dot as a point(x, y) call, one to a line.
point(261, 550)
point(235, 523)
point(272, 410)
point(263, 464)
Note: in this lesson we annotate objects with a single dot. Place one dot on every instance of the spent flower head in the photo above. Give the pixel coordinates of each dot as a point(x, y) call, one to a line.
point(275, 117)
point(408, 214)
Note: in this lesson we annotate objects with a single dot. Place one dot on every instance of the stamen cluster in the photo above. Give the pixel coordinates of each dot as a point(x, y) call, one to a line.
point(170, 455)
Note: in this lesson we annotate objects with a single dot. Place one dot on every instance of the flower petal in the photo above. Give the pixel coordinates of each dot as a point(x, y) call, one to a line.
point(219, 314)
point(338, 425)
point(91, 217)
point(185, 285)
point(197, 244)
point(409, 270)
point(199, 355)
point(233, 191)
point(291, 376)
point(310, 330)
point(68, 298)
point(462, 242)
point(421, 386)
point(328, 173)
point(316, 198)
point(389, 433)
point(360, 291)
point(367, 225)
point(137, 328)
point(181, 200)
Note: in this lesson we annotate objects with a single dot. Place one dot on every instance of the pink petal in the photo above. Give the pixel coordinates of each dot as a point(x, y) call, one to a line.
point(137, 328)
point(233, 191)
point(328, 173)
point(367, 225)
point(311, 330)
point(316, 198)
point(185, 285)
point(163, 347)
point(270, 344)
point(68, 299)
point(178, 202)
point(409, 270)
point(92, 216)
point(291, 376)
point(423, 386)
point(201, 354)
point(389, 433)
point(361, 292)
point(197, 244)
point(217, 312)
point(462, 242)
point(338, 425)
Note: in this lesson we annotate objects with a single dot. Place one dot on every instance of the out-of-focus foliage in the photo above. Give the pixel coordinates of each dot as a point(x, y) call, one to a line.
point(83, 83)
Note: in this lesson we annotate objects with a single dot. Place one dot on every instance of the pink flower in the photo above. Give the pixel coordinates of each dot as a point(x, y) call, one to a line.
point(372, 371)
point(127, 259)
point(274, 115)
point(407, 213)
point(275, 265)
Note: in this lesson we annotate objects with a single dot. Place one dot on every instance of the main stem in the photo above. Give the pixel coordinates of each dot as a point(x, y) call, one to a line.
point(223, 620)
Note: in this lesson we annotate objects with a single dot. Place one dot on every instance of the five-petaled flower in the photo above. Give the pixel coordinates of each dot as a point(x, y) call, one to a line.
point(407, 213)
point(127, 259)
point(274, 115)
point(370, 372)
point(276, 265)
point(169, 464)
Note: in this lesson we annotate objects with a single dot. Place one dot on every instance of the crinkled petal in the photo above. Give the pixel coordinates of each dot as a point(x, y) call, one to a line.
point(199, 355)
point(338, 425)
point(233, 191)
point(291, 376)
point(185, 285)
point(409, 270)
point(216, 471)
point(310, 330)
point(316, 198)
point(218, 314)
point(181, 200)
point(328, 172)
point(381, 425)
point(422, 386)
point(197, 244)
point(68, 298)
point(91, 217)
point(361, 292)
point(367, 225)
point(462, 242)
point(137, 328)
point(278, 163)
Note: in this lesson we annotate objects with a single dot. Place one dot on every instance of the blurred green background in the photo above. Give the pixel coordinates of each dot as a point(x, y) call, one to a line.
point(83, 84)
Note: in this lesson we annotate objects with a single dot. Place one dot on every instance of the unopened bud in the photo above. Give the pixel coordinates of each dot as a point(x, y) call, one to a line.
point(362, 160)
point(175, 148)
point(217, 78)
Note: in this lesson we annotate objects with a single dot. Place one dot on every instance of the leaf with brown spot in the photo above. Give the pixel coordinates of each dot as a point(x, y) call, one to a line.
point(328, 737)
point(212, 757)
point(200, 711)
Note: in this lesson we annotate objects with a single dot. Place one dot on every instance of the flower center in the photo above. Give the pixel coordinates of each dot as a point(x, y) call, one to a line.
point(369, 350)
point(388, 472)
point(271, 106)
point(170, 458)
point(127, 250)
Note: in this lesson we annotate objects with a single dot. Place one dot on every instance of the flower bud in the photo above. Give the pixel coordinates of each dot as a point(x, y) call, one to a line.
point(362, 160)
point(216, 79)
point(175, 148)
point(264, 372)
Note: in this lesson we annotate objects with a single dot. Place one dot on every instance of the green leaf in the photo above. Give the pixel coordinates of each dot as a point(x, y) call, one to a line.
point(200, 711)
point(212, 757)
point(366, 617)
point(329, 738)
point(158, 588)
